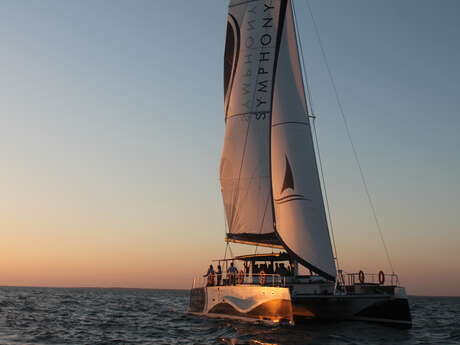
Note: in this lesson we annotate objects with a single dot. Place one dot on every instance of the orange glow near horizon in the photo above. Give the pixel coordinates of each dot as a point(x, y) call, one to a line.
point(44, 260)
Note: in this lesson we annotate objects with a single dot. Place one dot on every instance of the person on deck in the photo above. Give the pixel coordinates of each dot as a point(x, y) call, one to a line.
point(231, 273)
point(282, 270)
point(210, 274)
point(219, 274)
point(291, 268)
point(270, 268)
point(263, 267)
point(210, 271)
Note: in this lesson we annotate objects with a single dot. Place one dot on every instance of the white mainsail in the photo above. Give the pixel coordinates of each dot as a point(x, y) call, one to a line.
point(269, 178)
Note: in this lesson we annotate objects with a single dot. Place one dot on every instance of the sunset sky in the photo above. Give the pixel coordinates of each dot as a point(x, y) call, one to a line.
point(112, 122)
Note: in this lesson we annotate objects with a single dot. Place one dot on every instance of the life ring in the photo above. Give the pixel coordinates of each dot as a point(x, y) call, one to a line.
point(361, 277)
point(240, 277)
point(211, 279)
point(381, 278)
point(262, 277)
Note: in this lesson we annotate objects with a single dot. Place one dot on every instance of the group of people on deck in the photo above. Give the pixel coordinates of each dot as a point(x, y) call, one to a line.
point(270, 269)
point(234, 275)
point(232, 272)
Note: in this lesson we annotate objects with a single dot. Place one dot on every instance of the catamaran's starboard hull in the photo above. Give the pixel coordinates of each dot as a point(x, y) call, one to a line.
point(382, 309)
point(274, 304)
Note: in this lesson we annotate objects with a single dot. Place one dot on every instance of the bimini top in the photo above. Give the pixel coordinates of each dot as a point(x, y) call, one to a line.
point(264, 257)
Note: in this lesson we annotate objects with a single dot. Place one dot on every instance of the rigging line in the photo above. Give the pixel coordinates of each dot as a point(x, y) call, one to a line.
point(347, 128)
point(225, 227)
point(248, 188)
point(263, 219)
point(219, 187)
point(304, 70)
point(310, 106)
point(323, 178)
point(230, 249)
point(225, 221)
point(226, 247)
point(237, 190)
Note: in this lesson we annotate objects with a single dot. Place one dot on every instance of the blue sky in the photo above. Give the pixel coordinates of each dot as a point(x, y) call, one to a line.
point(111, 127)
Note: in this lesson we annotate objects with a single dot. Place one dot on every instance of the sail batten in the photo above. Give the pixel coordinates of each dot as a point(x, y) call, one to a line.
point(269, 177)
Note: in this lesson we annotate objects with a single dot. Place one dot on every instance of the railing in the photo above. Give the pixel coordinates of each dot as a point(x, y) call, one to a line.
point(368, 278)
point(239, 279)
point(344, 279)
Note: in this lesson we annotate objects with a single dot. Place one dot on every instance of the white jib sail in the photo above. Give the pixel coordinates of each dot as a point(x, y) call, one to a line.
point(299, 209)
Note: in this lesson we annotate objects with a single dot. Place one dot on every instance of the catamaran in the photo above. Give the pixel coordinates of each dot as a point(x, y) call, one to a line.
point(272, 192)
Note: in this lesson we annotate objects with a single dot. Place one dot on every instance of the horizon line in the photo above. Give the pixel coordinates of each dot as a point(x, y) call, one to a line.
point(166, 289)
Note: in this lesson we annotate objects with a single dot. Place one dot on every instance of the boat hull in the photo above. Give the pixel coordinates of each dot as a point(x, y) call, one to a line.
point(272, 304)
point(382, 309)
point(282, 304)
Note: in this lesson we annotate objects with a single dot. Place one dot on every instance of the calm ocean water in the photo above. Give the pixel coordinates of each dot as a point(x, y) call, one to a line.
point(131, 316)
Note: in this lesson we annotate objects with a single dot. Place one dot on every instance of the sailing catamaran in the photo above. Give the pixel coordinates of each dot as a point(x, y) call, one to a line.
point(272, 191)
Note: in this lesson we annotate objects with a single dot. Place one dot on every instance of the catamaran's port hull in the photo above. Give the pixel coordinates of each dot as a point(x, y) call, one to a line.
point(266, 303)
point(275, 304)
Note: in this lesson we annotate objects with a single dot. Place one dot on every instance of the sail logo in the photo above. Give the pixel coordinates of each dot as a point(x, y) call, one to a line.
point(259, 59)
point(288, 184)
point(254, 74)
point(288, 181)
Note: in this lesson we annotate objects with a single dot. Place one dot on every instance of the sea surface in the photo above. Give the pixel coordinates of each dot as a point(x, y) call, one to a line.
point(135, 316)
